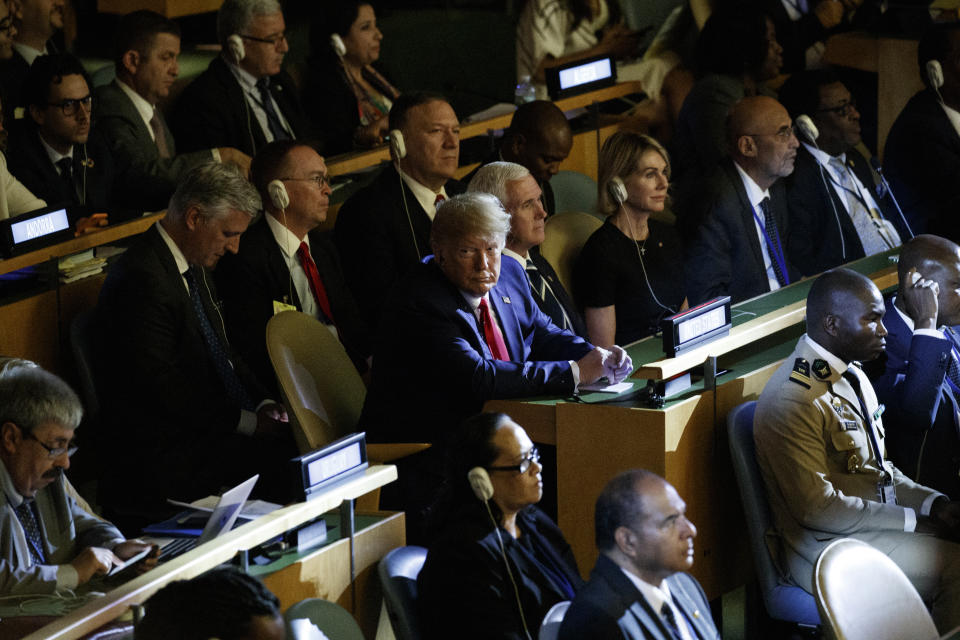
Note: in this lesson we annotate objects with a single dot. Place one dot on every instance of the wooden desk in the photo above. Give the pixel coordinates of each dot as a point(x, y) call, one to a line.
point(168, 8)
point(685, 440)
point(894, 60)
point(209, 555)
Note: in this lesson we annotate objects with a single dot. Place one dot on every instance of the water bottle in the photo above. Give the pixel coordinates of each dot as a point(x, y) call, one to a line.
point(525, 92)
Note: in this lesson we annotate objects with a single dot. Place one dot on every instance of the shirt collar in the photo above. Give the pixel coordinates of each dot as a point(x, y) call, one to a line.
point(13, 496)
point(29, 53)
point(54, 155)
point(244, 77)
point(144, 108)
point(656, 595)
point(755, 194)
point(178, 257)
point(425, 195)
point(822, 157)
point(289, 243)
point(836, 364)
point(516, 256)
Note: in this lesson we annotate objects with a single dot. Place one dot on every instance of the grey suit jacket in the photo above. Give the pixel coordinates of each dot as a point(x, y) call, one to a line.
point(151, 179)
point(66, 529)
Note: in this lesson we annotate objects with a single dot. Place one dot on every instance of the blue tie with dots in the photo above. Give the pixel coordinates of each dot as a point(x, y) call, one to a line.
point(218, 354)
point(31, 528)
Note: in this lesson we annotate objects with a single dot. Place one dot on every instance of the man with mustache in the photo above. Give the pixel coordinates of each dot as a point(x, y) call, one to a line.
point(820, 447)
point(639, 587)
point(47, 542)
point(739, 249)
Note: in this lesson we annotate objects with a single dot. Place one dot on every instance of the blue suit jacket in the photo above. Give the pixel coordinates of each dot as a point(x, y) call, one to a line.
point(432, 367)
point(921, 415)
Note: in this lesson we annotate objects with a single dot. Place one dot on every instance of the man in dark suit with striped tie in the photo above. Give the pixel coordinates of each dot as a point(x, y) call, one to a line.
point(919, 379)
point(519, 192)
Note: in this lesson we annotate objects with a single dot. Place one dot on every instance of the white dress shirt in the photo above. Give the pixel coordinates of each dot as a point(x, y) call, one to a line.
point(248, 84)
point(146, 111)
point(656, 596)
point(29, 53)
point(426, 196)
point(755, 196)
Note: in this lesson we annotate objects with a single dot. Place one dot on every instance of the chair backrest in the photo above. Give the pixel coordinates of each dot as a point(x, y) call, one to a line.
point(552, 621)
point(564, 237)
point(783, 601)
point(81, 344)
point(333, 620)
point(574, 191)
point(318, 379)
point(862, 594)
point(398, 576)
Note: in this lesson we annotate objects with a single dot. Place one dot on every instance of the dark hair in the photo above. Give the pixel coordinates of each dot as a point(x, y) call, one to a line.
point(800, 94)
point(619, 505)
point(267, 164)
point(332, 17)
point(935, 45)
point(830, 291)
point(49, 70)
point(535, 119)
point(733, 41)
point(217, 604)
point(136, 31)
point(407, 101)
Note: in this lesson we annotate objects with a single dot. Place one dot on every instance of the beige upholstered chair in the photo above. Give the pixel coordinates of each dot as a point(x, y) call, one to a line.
point(565, 235)
point(863, 595)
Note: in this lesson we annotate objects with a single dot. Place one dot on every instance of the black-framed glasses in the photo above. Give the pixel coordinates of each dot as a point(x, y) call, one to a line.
point(71, 106)
point(53, 452)
point(783, 133)
point(532, 456)
point(321, 180)
point(273, 41)
point(842, 110)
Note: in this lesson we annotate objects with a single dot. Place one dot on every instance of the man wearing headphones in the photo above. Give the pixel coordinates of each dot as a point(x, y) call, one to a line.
point(383, 230)
point(37, 22)
point(55, 152)
point(923, 148)
point(284, 262)
point(244, 99)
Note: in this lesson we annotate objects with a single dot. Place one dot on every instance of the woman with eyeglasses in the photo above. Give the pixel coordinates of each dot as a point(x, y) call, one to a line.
point(498, 563)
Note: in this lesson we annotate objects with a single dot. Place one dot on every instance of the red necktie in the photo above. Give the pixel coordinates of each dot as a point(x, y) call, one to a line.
point(491, 333)
point(438, 200)
point(316, 285)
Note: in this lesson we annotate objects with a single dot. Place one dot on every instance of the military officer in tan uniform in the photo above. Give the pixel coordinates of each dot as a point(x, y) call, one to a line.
point(819, 436)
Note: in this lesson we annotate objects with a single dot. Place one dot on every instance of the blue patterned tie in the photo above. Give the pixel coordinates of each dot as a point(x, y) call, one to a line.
point(770, 226)
point(273, 119)
point(31, 529)
point(215, 349)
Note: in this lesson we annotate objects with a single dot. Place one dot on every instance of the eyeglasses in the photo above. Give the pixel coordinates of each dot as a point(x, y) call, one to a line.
point(321, 180)
point(842, 110)
point(54, 452)
point(784, 133)
point(6, 25)
point(524, 466)
point(72, 106)
point(274, 40)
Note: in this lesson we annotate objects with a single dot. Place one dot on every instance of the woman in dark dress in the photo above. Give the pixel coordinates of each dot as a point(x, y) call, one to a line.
point(477, 571)
point(630, 272)
point(345, 97)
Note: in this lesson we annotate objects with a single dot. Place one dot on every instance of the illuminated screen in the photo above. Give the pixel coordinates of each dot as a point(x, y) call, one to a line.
point(689, 329)
point(334, 463)
point(591, 72)
point(40, 226)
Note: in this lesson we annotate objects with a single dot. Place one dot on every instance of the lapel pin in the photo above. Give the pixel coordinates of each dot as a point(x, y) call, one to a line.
point(506, 299)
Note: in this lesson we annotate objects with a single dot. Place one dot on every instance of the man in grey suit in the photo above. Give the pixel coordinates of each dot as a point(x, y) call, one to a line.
point(47, 541)
point(820, 446)
point(639, 589)
point(147, 47)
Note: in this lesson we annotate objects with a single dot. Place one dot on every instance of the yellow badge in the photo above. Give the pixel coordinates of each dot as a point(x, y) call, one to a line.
point(282, 306)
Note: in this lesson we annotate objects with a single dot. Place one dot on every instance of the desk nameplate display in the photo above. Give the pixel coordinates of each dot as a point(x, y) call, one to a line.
point(34, 230)
point(318, 471)
point(581, 76)
point(696, 326)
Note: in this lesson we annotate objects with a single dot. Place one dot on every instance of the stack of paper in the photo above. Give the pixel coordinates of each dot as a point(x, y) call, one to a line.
point(80, 265)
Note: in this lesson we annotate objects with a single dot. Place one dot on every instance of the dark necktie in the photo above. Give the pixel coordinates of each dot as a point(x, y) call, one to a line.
point(65, 165)
point(438, 200)
point(492, 334)
point(31, 528)
point(671, 621)
point(159, 135)
point(546, 298)
point(770, 228)
point(273, 119)
point(854, 381)
point(953, 367)
point(316, 284)
point(215, 348)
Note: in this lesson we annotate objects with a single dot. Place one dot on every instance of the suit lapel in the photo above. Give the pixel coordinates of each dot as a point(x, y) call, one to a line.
point(693, 615)
point(503, 305)
point(746, 215)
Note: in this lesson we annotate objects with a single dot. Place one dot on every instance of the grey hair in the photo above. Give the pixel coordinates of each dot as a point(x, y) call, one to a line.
point(216, 189)
point(493, 178)
point(470, 214)
point(235, 16)
point(31, 396)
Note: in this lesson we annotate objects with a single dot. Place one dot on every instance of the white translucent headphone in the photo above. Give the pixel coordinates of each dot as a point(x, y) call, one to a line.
point(480, 483)
point(235, 48)
point(617, 190)
point(934, 73)
point(278, 194)
point(338, 46)
point(397, 145)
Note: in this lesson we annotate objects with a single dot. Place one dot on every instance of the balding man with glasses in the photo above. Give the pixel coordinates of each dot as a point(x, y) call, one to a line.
point(244, 99)
point(48, 542)
point(739, 248)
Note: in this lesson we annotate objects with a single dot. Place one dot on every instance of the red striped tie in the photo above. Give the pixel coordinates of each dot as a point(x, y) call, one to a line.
point(492, 334)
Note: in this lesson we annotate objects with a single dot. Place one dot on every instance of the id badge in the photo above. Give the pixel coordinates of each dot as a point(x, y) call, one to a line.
point(886, 491)
point(282, 306)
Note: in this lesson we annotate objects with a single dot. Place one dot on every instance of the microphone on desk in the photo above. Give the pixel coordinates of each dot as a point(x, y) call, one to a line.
point(886, 185)
point(810, 132)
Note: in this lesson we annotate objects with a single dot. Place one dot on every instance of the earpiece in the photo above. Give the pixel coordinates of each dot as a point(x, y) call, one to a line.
point(480, 483)
point(397, 147)
point(235, 48)
point(807, 128)
point(618, 190)
point(934, 74)
point(337, 43)
point(278, 194)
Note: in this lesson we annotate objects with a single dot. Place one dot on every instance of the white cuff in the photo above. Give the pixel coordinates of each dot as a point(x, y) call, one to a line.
point(927, 505)
point(67, 577)
point(248, 422)
point(575, 370)
point(216, 155)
